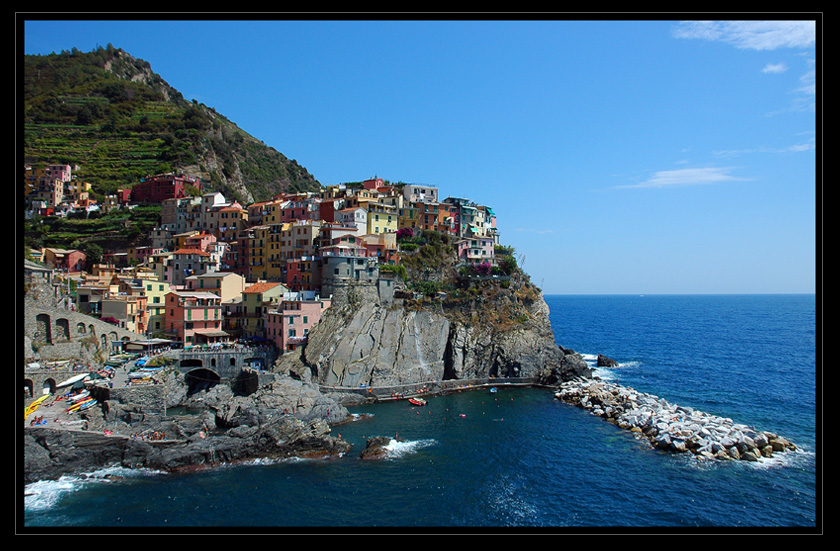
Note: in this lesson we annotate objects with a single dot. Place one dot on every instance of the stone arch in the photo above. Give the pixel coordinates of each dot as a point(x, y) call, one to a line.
point(43, 328)
point(232, 361)
point(81, 329)
point(201, 379)
point(92, 329)
point(28, 388)
point(50, 384)
point(192, 362)
point(62, 326)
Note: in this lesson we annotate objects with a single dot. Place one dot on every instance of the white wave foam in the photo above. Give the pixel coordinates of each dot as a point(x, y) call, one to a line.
point(603, 373)
point(401, 448)
point(787, 459)
point(44, 494)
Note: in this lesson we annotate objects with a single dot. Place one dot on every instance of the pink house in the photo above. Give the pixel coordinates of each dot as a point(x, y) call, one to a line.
point(199, 241)
point(288, 325)
point(477, 250)
point(194, 317)
point(64, 260)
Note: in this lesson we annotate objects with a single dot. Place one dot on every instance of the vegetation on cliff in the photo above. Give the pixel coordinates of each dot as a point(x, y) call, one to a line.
point(502, 295)
point(108, 113)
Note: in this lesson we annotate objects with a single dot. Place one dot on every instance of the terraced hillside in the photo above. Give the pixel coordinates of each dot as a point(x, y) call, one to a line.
point(108, 113)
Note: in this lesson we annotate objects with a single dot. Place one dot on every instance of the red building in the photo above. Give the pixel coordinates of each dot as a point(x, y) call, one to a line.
point(156, 189)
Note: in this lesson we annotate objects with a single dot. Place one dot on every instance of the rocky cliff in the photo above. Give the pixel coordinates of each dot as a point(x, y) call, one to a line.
point(284, 418)
point(363, 340)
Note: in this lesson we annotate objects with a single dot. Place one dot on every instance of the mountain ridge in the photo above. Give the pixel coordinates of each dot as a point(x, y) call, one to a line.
point(110, 114)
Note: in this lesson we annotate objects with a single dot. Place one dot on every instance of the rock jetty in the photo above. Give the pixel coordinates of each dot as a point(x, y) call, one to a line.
point(672, 427)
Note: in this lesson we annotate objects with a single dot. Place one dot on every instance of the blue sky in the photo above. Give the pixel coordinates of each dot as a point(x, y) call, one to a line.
point(620, 156)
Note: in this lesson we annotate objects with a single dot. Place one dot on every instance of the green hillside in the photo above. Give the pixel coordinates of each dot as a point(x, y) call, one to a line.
point(108, 113)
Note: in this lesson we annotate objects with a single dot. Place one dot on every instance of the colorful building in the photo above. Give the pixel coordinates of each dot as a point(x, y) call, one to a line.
point(156, 189)
point(64, 260)
point(382, 218)
point(477, 250)
point(194, 318)
point(289, 323)
point(256, 300)
point(226, 285)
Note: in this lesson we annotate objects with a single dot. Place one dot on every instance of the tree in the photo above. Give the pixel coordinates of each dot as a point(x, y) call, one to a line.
point(93, 254)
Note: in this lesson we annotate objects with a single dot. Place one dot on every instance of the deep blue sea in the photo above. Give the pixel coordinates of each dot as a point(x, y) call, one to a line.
point(479, 462)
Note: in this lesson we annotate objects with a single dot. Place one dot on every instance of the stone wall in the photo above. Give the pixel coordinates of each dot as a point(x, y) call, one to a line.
point(52, 331)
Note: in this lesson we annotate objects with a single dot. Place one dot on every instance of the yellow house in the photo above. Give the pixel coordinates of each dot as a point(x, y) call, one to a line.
point(274, 261)
point(256, 301)
point(258, 253)
point(155, 292)
point(225, 285)
point(382, 218)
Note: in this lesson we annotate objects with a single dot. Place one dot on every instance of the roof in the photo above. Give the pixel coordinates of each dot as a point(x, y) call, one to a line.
point(261, 287)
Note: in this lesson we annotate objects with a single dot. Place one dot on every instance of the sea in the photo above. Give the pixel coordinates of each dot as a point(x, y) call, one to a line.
point(518, 460)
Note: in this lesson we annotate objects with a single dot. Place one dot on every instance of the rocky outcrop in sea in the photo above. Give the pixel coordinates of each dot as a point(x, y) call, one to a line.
point(672, 427)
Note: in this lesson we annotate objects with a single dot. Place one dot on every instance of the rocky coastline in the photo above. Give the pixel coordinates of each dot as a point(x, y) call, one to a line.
point(671, 427)
point(283, 419)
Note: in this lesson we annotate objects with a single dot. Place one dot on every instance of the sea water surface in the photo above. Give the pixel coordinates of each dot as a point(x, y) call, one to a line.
point(518, 458)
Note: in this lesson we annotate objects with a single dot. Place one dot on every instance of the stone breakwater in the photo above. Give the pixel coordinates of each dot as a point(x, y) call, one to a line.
point(672, 427)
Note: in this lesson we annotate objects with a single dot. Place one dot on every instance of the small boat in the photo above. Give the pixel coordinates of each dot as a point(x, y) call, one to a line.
point(81, 396)
point(493, 390)
point(86, 405)
point(417, 401)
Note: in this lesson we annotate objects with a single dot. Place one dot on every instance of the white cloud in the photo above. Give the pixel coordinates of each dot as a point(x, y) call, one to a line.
point(774, 68)
point(755, 35)
point(795, 148)
point(686, 177)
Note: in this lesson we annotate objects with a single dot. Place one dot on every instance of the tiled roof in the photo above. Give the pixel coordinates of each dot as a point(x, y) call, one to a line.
point(261, 287)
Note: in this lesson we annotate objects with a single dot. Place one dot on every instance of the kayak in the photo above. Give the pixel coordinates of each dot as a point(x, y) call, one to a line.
point(86, 405)
point(33, 406)
point(80, 396)
point(75, 407)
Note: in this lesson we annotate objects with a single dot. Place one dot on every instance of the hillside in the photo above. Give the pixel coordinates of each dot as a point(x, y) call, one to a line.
point(108, 113)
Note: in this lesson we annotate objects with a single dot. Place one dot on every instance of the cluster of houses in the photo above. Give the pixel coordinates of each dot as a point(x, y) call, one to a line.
point(216, 270)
